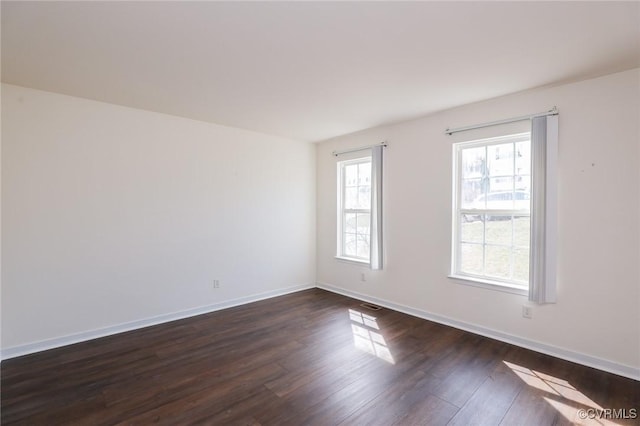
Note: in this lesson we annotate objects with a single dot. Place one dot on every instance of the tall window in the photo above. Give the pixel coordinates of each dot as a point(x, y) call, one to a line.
point(354, 209)
point(492, 210)
point(505, 208)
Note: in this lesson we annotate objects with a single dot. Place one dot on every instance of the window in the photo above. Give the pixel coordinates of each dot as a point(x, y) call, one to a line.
point(492, 210)
point(505, 202)
point(360, 206)
point(354, 209)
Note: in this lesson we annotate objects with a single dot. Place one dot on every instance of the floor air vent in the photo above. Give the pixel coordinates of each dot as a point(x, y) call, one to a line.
point(370, 306)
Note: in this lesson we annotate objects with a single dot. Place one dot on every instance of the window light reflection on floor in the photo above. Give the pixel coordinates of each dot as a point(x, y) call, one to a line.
point(366, 336)
point(561, 395)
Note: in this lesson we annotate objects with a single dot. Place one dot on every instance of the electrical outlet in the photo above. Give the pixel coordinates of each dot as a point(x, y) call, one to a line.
point(363, 277)
point(527, 312)
point(216, 283)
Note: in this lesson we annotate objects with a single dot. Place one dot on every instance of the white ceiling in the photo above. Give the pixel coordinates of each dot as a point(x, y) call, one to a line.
point(311, 70)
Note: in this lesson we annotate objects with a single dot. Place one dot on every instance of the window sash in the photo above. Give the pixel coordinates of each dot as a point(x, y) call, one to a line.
point(484, 277)
point(342, 252)
point(459, 212)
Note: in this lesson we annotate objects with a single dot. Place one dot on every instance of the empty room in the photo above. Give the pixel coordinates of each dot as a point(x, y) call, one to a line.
point(320, 213)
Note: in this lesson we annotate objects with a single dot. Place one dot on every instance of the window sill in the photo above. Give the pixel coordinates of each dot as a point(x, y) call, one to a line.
point(352, 261)
point(490, 285)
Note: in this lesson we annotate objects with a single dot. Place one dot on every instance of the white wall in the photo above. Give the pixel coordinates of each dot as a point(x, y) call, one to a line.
point(113, 216)
point(597, 316)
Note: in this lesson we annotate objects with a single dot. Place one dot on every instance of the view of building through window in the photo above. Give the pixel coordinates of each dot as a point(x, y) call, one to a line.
point(493, 196)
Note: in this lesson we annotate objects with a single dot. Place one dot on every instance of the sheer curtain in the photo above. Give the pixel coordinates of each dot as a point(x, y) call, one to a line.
point(544, 150)
point(376, 254)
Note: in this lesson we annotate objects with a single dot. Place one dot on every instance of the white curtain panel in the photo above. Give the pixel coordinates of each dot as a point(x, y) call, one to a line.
point(376, 254)
point(544, 150)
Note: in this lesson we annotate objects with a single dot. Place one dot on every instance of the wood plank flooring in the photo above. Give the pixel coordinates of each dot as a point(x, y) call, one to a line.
point(308, 358)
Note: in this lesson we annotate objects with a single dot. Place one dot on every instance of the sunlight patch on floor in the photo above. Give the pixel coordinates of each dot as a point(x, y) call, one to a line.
point(563, 396)
point(366, 339)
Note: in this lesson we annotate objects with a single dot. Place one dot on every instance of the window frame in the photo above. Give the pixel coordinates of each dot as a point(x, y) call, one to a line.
point(342, 212)
point(494, 283)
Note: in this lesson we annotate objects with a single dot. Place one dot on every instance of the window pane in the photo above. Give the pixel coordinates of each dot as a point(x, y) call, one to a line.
point(351, 198)
point(523, 158)
point(364, 173)
point(350, 223)
point(521, 265)
point(523, 183)
point(500, 194)
point(471, 258)
point(521, 231)
point(473, 163)
point(364, 197)
point(470, 190)
point(522, 200)
point(480, 202)
point(472, 228)
point(499, 230)
point(500, 159)
point(351, 175)
point(364, 223)
point(363, 246)
point(497, 262)
point(349, 244)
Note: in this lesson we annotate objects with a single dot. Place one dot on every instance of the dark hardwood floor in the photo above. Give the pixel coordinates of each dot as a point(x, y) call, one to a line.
point(308, 358)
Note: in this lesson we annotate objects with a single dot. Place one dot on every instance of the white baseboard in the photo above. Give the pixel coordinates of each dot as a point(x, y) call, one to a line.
point(566, 354)
point(588, 360)
point(57, 342)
